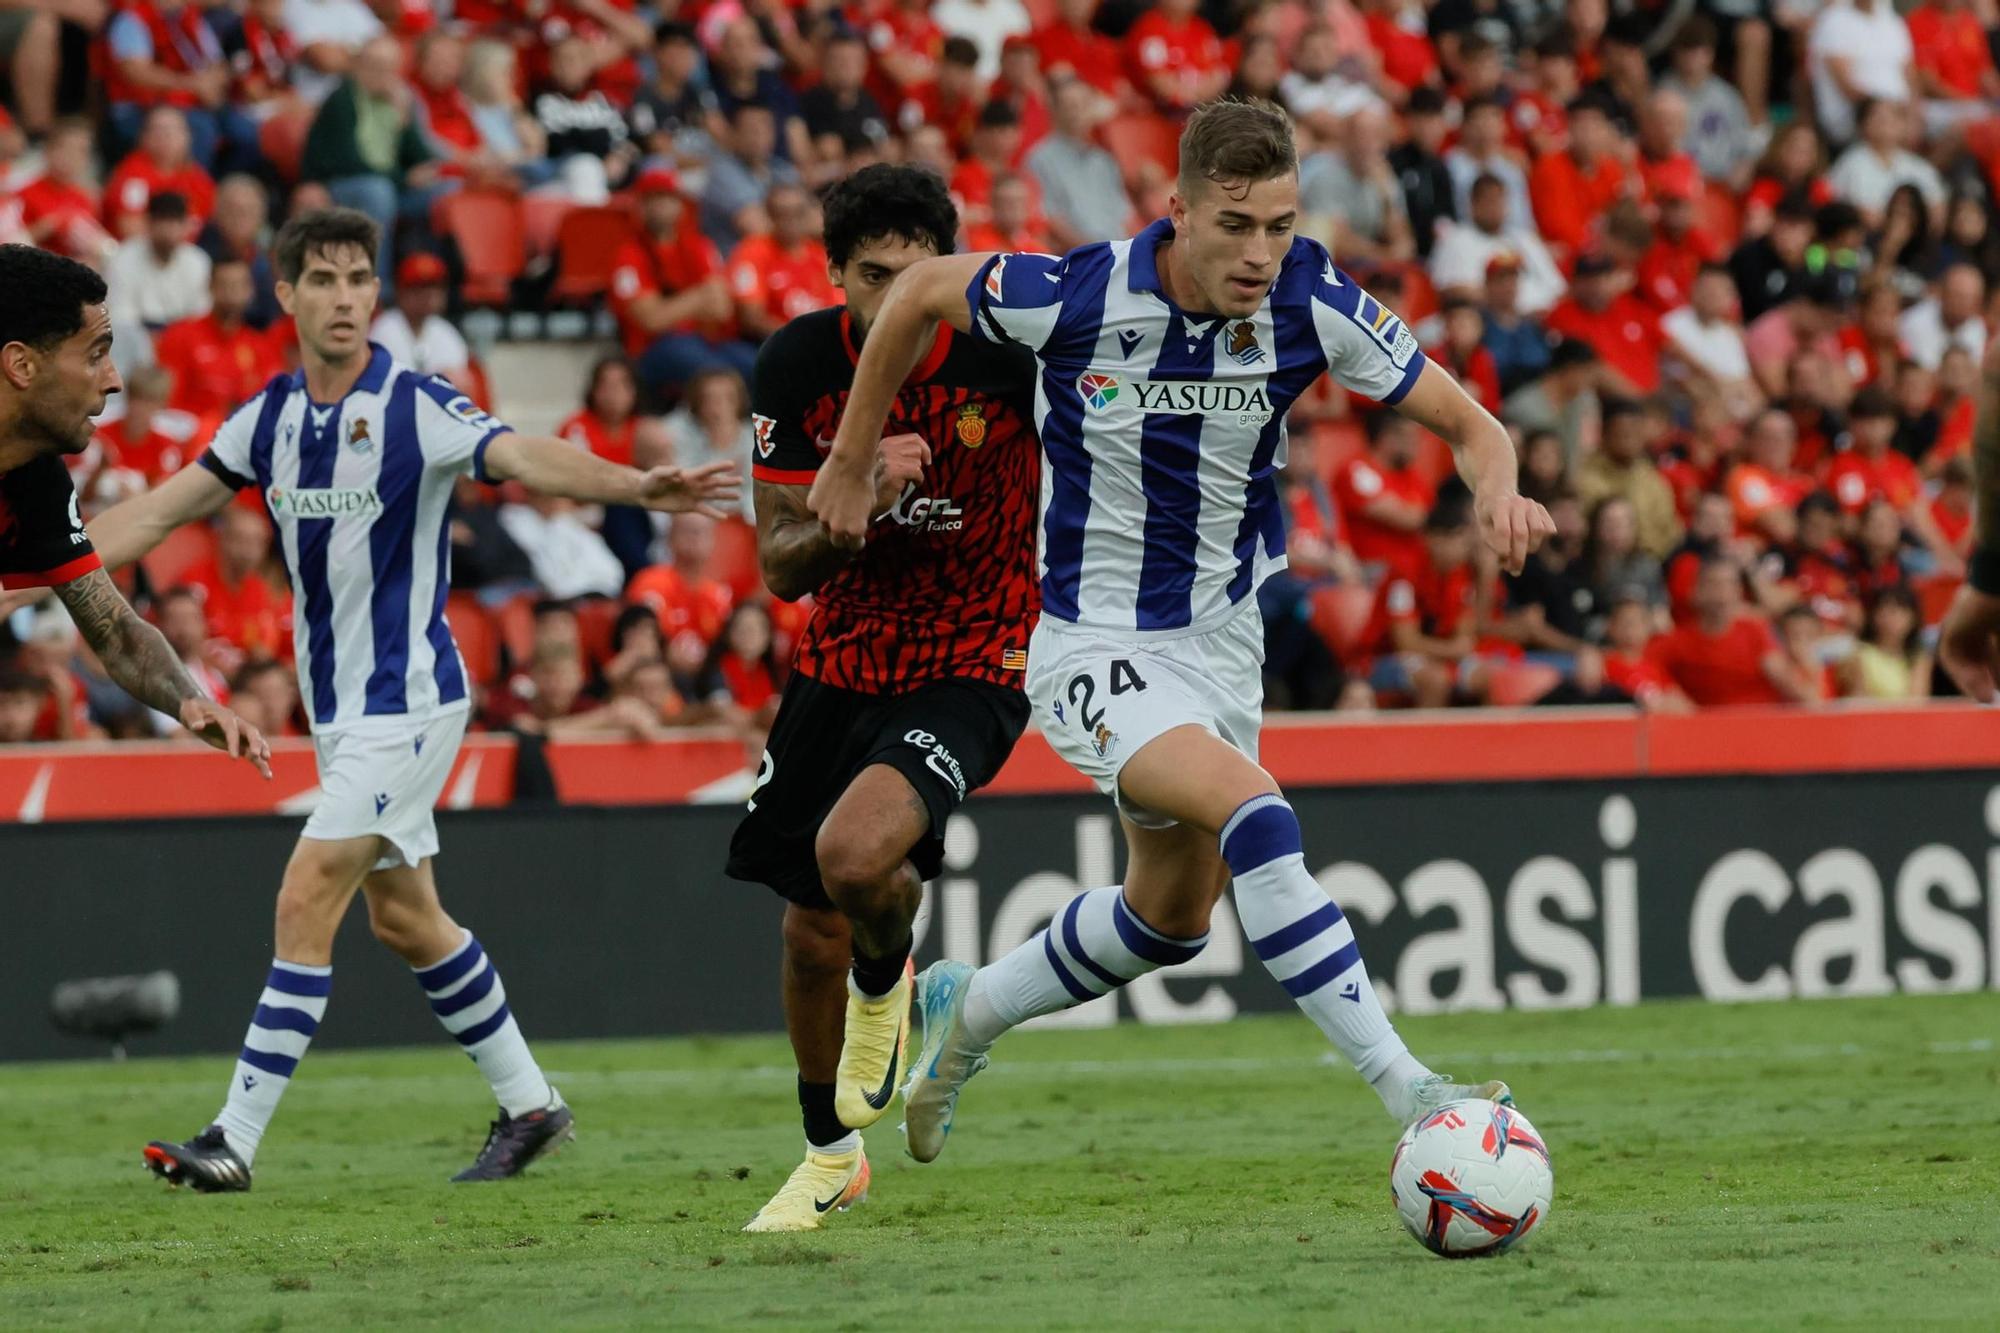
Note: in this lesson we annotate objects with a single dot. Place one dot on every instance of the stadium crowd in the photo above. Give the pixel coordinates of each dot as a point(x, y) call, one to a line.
point(1725, 267)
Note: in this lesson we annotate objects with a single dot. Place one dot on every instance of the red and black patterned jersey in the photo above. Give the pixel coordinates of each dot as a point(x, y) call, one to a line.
point(945, 585)
point(42, 541)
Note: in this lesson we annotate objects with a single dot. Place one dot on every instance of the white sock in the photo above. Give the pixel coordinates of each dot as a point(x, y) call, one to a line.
point(288, 1014)
point(1305, 940)
point(465, 992)
point(1093, 946)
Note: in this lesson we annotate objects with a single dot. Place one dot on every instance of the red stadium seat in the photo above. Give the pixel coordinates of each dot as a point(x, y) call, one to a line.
point(541, 220)
point(1339, 440)
point(1340, 615)
point(1722, 215)
point(1516, 684)
point(596, 618)
point(1139, 138)
point(478, 637)
point(516, 622)
point(585, 244)
point(282, 140)
point(184, 548)
point(492, 242)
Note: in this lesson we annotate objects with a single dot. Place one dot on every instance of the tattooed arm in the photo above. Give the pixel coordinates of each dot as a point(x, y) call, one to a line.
point(794, 550)
point(1969, 642)
point(139, 658)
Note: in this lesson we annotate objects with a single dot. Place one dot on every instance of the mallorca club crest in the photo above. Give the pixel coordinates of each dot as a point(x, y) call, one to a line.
point(1099, 390)
point(1243, 346)
point(971, 425)
point(358, 438)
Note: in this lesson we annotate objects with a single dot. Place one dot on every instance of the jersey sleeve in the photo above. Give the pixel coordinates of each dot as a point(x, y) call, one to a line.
point(1369, 350)
point(228, 454)
point(452, 430)
point(1018, 298)
point(783, 454)
point(42, 540)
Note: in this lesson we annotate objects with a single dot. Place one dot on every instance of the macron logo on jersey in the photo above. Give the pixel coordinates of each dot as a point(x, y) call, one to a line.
point(303, 502)
point(1182, 398)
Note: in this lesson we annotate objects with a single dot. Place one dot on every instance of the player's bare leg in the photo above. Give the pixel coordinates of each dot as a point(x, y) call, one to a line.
point(1192, 775)
point(834, 1174)
point(320, 881)
point(863, 849)
point(466, 993)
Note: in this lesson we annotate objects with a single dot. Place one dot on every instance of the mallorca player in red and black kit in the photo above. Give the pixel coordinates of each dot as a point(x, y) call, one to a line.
point(906, 692)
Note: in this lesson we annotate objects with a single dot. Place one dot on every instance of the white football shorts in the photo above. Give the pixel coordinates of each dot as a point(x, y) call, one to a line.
point(1100, 697)
point(384, 777)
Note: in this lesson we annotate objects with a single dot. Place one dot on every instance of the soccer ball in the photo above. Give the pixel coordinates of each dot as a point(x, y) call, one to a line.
point(1471, 1178)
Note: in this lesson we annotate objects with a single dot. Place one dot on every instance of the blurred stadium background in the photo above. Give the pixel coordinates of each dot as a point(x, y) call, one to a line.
point(1726, 267)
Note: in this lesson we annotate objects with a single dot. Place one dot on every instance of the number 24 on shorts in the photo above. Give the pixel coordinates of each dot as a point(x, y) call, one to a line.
point(1082, 689)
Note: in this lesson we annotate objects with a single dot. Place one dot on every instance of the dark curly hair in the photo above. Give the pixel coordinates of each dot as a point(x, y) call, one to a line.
point(908, 203)
point(42, 296)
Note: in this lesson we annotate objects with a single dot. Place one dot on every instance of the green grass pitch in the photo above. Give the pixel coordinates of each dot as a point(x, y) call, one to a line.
point(1822, 1164)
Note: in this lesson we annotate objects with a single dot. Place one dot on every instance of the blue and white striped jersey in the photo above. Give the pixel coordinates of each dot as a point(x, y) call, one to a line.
point(360, 493)
point(1163, 430)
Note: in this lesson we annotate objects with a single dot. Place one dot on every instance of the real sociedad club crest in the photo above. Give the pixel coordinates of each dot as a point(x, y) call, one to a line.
point(358, 438)
point(1243, 346)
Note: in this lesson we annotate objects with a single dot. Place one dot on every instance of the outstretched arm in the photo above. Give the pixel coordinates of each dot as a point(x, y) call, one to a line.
point(1512, 526)
point(131, 528)
point(929, 292)
point(144, 665)
point(556, 467)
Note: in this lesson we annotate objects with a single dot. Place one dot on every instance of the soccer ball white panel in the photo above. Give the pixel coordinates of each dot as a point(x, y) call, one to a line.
point(1471, 1178)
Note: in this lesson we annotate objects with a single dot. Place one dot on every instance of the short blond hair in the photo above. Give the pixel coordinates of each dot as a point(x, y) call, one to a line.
point(1236, 141)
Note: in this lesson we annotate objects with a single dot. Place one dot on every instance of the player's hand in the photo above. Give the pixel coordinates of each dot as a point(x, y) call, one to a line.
point(901, 462)
point(1514, 528)
point(1969, 642)
point(842, 499)
point(227, 732)
point(703, 490)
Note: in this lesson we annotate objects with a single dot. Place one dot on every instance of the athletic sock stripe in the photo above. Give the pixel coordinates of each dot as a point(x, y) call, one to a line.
point(479, 1032)
point(1074, 942)
point(1063, 974)
point(284, 1018)
point(1325, 970)
point(306, 984)
point(1245, 810)
point(470, 994)
point(281, 1065)
point(1287, 938)
point(1260, 836)
point(436, 978)
point(1147, 943)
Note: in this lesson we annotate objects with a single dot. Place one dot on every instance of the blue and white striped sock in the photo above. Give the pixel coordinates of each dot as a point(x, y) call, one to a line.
point(288, 1014)
point(1093, 946)
point(465, 993)
point(1304, 938)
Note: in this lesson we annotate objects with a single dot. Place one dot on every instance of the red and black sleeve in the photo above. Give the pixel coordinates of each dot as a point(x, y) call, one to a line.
point(42, 541)
point(788, 380)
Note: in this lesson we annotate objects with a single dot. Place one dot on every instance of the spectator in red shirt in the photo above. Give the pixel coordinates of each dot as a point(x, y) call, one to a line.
point(1464, 354)
point(1069, 45)
point(159, 165)
point(243, 607)
point(669, 294)
point(746, 659)
point(1427, 617)
point(261, 57)
point(152, 440)
point(1384, 499)
point(996, 145)
point(1764, 489)
point(1726, 655)
point(608, 424)
point(951, 102)
point(686, 597)
point(1628, 665)
point(1623, 330)
point(217, 360)
point(1022, 87)
point(59, 207)
point(1680, 248)
point(1951, 511)
point(1952, 61)
point(163, 53)
point(778, 276)
point(1398, 30)
point(184, 625)
point(1869, 468)
point(266, 695)
point(1573, 188)
point(444, 113)
point(1015, 224)
point(1174, 58)
point(907, 47)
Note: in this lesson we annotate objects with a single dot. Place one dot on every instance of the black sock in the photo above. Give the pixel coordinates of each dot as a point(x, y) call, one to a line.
point(878, 976)
point(816, 1105)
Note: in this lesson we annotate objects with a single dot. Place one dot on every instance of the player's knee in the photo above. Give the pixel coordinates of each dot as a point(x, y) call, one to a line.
point(859, 870)
point(817, 941)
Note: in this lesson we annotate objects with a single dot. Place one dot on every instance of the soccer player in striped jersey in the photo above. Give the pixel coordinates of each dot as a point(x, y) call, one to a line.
point(355, 457)
point(1167, 365)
